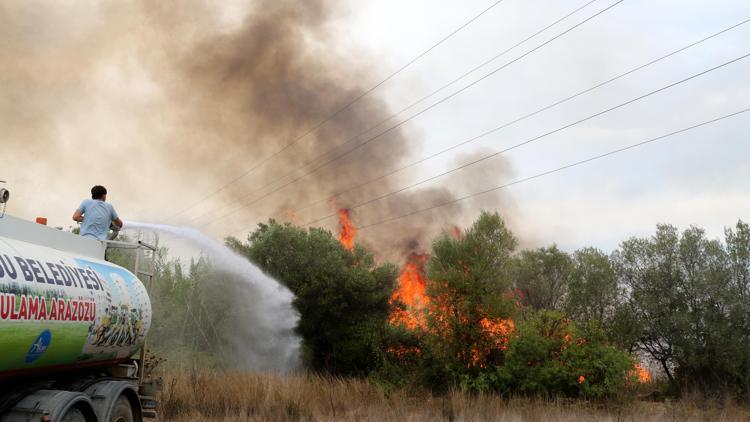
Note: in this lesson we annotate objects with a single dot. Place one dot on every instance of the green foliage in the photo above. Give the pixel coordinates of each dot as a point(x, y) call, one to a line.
point(541, 277)
point(545, 354)
point(473, 267)
point(688, 295)
point(342, 296)
point(593, 293)
point(469, 278)
point(548, 356)
point(679, 298)
point(190, 314)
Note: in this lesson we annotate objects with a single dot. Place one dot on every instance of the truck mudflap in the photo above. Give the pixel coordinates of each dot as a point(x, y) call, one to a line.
point(52, 405)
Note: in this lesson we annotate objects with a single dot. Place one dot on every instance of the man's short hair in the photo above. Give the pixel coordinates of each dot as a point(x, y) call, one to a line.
point(98, 191)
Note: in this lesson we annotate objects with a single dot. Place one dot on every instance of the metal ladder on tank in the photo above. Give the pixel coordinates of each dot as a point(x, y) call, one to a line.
point(146, 394)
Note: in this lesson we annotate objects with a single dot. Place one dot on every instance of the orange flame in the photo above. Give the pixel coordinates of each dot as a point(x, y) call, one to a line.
point(291, 216)
point(496, 336)
point(402, 352)
point(498, 331)
point(416, 305)
point(347, 231)
point(641, 373)
point(411, 292)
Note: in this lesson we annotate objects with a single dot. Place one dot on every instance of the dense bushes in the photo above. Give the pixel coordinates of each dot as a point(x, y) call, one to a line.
point(549, 355)
point(539, 322)
point(690, 303)
point(484, 335)
point(342, 296)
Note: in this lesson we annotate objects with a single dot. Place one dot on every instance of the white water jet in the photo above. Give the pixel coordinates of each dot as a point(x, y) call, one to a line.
point(264, 338)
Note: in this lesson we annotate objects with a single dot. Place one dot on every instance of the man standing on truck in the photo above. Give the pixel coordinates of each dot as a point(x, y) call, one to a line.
point(96, 215)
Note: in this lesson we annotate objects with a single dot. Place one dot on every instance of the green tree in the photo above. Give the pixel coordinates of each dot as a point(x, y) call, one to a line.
point(592, 288)
point(342, 296)
point(469, 277)
point(548, 356)
point(190, 314)
point(681, 293)
point(738, 259)
point(541, 277)
point(594, 297)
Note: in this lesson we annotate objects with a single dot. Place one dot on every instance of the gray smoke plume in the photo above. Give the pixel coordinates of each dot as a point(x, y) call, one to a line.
point(254, 90)
point(163, 102)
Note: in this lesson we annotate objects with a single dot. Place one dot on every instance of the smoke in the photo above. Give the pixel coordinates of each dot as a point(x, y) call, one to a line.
point(263, 333)
point(162, 102)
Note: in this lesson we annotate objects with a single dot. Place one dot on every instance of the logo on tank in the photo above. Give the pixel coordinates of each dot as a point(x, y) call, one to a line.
point(39, 346)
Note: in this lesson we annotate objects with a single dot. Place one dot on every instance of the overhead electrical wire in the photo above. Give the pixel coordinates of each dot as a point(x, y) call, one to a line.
point(441, 101)
point(447, 85)
point(536, 138)
point(344, 108)
point(517, 120)
point(422, 99)
point(548, 172)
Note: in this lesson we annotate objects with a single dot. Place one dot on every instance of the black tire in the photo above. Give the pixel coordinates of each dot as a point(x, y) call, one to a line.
point(122, 412)
point(73, 415)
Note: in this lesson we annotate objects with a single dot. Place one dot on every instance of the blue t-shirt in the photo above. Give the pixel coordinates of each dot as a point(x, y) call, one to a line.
point(97, 217)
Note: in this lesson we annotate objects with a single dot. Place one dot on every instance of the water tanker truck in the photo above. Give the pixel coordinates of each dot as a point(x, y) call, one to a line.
point(72, 328)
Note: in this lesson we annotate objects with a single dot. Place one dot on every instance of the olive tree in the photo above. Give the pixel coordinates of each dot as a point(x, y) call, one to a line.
point(541, 277)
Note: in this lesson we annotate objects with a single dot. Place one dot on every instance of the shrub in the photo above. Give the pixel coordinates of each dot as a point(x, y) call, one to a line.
point(549, 356)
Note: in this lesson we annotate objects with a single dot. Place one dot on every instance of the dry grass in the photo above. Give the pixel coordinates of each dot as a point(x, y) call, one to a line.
point(207, 396)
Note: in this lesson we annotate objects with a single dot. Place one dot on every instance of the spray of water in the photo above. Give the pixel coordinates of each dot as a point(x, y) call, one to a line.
point(265, 338)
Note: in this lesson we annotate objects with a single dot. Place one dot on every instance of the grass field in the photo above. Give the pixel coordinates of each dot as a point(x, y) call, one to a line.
point(67, 343)
point(206, 396)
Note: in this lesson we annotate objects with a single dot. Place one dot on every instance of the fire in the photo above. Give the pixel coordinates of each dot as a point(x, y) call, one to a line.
point(641, 373)
point(417, 305)
point(291, 216)
point(496, 334)
point(498, 331)
point(347, 231)
point(402, 352)
point(411, 292)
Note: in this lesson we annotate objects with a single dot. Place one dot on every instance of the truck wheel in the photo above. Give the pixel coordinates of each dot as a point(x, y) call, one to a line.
point(74, 415)
point(122, 412)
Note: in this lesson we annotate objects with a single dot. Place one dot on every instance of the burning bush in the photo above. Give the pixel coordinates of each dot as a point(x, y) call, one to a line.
point(550, 356)
point(347, 231)
point(457, 321)
point(461, 324)
point(453, 319)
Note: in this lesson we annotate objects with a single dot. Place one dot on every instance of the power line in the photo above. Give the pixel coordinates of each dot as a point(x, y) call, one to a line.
point(451, 83)
point(565, 167)
point(345, 107)
point(495, 154)
point(441, 101)
point(524, 117)
point(380, 123)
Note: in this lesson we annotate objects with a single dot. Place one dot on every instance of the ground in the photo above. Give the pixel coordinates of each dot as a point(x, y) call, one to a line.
point(216, 396)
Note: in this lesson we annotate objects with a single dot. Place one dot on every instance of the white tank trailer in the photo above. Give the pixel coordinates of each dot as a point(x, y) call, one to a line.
point(72, 329)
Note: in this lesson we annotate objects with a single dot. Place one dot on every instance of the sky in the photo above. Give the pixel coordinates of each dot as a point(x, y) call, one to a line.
point(90, 97)
point(699, 178)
